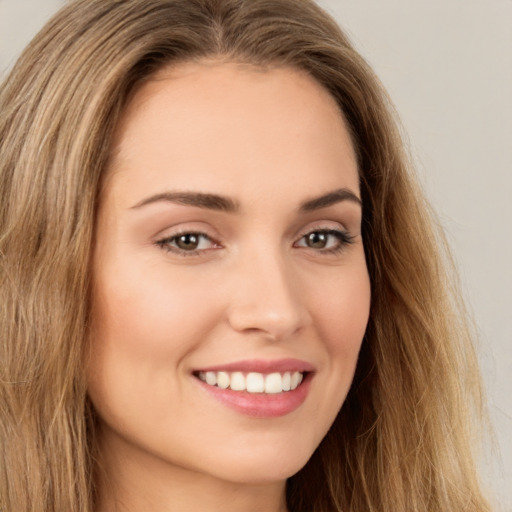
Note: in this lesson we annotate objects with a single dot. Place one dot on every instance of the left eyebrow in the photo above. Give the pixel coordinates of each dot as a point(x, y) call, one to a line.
point(334, 197)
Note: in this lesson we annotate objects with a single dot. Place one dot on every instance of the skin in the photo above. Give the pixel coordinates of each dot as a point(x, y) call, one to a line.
point(255, 287)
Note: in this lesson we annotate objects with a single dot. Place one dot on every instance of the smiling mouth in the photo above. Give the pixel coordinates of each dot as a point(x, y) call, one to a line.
point(253, 382)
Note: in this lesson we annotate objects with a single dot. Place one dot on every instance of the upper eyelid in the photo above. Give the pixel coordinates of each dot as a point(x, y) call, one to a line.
point(346, 235)
point(326, 225)
point(204, 232)
point(175, 231)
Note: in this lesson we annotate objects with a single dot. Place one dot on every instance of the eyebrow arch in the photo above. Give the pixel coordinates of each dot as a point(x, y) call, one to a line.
point(198, 199)
point(336, 196)
point(226, 204)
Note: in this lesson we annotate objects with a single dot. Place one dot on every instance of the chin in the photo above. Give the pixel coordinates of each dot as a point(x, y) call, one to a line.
point(263, 468)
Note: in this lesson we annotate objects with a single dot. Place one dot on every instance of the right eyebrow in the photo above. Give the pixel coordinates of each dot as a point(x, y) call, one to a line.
point(197, 199)
point(336, 196)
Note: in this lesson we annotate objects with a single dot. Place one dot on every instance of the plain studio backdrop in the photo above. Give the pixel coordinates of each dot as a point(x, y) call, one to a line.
point(447, 65)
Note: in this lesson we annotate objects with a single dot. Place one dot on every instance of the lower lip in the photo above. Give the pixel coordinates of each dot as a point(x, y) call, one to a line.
point(261, 405)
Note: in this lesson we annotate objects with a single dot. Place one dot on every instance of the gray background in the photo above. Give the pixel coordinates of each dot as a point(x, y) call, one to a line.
point(447, 65)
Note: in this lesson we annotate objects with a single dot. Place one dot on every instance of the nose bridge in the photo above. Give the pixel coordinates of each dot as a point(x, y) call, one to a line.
point(267, 298)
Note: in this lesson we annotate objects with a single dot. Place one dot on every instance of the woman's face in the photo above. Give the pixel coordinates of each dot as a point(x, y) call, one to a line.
point(228, 255)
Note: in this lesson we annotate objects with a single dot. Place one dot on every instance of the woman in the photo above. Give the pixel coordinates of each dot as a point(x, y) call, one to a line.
point(220, 284)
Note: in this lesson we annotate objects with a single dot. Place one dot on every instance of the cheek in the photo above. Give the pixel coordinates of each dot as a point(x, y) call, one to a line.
point(339, 305)
point(341, 312)
point(144, 327)
point(149, 314)
point(341, 317)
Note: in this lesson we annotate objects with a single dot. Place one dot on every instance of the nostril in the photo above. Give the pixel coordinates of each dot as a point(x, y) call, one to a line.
point(267, 321)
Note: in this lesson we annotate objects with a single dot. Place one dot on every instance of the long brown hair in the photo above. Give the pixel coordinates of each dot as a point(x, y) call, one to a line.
point(403, 438)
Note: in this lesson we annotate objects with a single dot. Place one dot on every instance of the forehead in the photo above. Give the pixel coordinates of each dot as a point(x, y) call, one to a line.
point(220, 126)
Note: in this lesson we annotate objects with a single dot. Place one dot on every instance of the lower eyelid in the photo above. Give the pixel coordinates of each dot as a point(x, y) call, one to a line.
point(329, 231)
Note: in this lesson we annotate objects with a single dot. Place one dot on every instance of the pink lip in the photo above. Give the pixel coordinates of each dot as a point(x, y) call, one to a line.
point(261, 405)
point(262, 366)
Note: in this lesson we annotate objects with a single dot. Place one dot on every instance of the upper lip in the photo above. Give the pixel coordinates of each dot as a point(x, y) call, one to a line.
point(262, 366)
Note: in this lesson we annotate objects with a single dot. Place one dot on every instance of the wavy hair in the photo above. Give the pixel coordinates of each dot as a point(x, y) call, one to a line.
point(403, 438)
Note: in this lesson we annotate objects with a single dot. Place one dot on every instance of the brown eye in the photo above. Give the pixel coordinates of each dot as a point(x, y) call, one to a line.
point(325, 240)
point(317, 240)
point(188, 242)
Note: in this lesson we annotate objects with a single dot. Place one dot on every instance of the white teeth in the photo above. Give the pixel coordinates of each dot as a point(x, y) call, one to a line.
point(295, 380)
point(273, 383)
point(253, 382)
point(237, 381)
point(223, 380)
point(287, 381)
point(211, 378)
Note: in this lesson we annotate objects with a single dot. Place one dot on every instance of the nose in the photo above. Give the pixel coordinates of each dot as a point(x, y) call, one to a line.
point(265, 298)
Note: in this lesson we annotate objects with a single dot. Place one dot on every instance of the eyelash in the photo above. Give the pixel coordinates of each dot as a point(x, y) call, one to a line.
point(165, 243)
point(343, 237)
